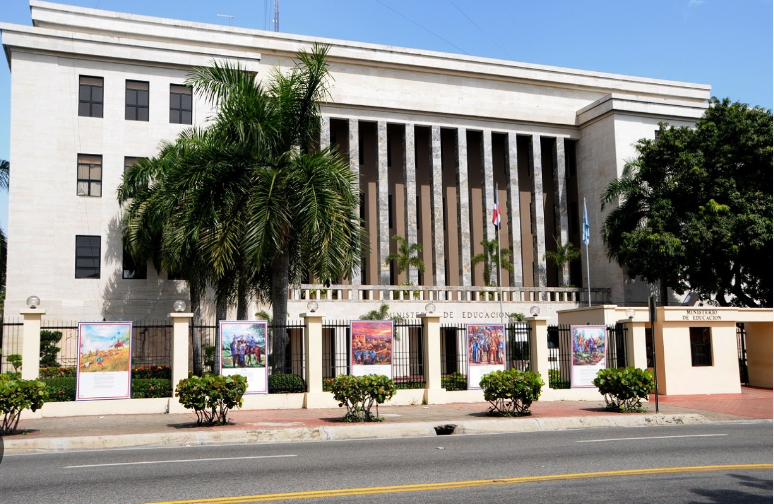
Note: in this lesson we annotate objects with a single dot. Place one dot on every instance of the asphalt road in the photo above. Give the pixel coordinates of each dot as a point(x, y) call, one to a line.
point(714, 463)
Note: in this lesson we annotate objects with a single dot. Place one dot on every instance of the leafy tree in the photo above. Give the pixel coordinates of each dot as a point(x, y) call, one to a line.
point(491, 260)
point(564, 255)
point(5, 177)
point(694, 209)
point(408, 256)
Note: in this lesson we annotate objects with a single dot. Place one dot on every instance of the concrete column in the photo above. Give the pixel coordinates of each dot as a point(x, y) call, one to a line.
point(431, 342)
point(180, 342)
point(538, 213)
point(382, 187)
point(514, 211)
point(463, 206)
point(560, 199)
point(636, 354)
point(354, 165)
point(488, 194)
point(538, 346)
point(325, 132)
point(436, 187)
point(31, 343)
point(314, 397)
point(410, 183)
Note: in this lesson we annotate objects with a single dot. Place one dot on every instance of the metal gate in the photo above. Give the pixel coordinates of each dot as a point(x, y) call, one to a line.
point(741, 348)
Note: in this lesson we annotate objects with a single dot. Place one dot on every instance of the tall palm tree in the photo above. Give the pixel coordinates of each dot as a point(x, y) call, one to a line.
point(562, 257)
point(408, 255)
point(491, 260)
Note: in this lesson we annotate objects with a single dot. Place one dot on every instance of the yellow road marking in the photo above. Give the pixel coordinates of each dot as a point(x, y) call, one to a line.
point(422, 487)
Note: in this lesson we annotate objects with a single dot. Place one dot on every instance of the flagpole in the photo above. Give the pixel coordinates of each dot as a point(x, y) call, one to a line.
point(499, 264)
point(586, 232)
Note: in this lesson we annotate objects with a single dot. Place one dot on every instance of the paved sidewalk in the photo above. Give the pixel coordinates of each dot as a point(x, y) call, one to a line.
point(117, 431)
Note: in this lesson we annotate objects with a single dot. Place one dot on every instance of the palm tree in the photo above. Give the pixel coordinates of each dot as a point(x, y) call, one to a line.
point(407, 256)
point(564, 255)
point(491, 260)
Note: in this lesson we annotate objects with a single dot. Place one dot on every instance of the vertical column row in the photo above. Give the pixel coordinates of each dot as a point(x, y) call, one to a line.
point(463, 206)
point(354, 165)
point(410, 178)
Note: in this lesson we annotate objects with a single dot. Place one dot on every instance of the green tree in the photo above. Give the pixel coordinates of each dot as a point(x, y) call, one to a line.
point(562, 257)
point(694, 209)
point(491, 260)
point(5, 178)
point(407, 256)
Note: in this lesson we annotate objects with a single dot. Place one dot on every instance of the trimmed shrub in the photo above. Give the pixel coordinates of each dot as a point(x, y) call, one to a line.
point(624, 388)
point(359, 394)
point(58, 372)
point(211, 396)
point(60, 389)
point(146, 372)
point(457, 381)
point(16, 395)
point(48, 348)
point(16, 361)
point(286, 383)
point(511, 392)
point(152, 387)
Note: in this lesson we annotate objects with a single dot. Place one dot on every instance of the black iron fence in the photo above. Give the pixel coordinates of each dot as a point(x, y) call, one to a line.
point(741, 350)
point(454, 358)
point(518, 352)
point(560, 352)
point(408, 367)
point(10, 344)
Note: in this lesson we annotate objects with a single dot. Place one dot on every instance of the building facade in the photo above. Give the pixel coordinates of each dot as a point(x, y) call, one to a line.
point(431, 135)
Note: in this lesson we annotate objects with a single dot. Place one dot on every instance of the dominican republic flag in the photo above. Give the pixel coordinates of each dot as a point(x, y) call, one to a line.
point(496, 212)
point(586, 227)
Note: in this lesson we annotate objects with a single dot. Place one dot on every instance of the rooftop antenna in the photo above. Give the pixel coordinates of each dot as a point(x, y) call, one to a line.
point(229, 16)
point(276, 15)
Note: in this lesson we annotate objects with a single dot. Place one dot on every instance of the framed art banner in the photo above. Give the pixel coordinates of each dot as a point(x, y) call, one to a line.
point(371, 344)
point(486, 351)
point(243, 352)
point(588, 354)
point(104, 361)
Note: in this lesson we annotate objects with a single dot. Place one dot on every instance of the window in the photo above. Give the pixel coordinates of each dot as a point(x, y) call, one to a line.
point(136, 101)
point(649, 346)
point(90, 96)
point(87, 256)
point(129, 162)
point(701, 346)
point(89, 175)
point(180, 104)
point(133, 270)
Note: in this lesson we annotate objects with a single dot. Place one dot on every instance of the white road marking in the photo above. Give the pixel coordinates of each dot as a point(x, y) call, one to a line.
point(177, 461)
point(650, 437)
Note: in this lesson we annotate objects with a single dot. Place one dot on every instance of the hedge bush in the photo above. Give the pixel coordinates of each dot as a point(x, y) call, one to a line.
point(624, 388)
point(60, 389)
point(511, 392)
point(211, 396)
point(456, 381)
point(58, 372)
point(286, 383)
point(16, 395)
point(146, 372)
point(360, 393)
point(152, 387)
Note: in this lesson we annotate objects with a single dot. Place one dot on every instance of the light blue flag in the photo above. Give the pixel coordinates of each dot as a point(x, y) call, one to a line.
point(586, 227)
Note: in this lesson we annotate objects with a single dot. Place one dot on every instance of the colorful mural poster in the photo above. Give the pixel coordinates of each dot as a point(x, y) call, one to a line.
point(243, 352)
point(588, 354)
point(104, 361)
point(486, 351)
point(371, 347)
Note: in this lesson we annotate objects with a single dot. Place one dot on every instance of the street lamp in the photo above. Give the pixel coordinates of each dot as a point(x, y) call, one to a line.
point(311, 306)
point(33, 302)
point(179, 306)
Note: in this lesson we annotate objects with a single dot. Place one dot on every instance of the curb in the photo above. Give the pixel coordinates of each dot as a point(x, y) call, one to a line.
point(337, 433)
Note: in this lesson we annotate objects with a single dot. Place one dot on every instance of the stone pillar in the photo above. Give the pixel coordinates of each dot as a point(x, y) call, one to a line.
point(382, 187)
point(431, 343)
point(538, 346)
point(410, 180)
point(314, 397)
point(181, 331)
point(538, 213)
point(488, 194)
point(325, 132)
point(514, 210)
point(636, 354)
point(436, 187)
point(354, 165)
point(31, 343)
point(560, 200)
point(463, 206)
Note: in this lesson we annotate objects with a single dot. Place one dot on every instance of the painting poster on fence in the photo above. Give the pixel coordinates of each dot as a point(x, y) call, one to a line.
point(371, 347)
point(104, 361)
point(486, 351)
point(243, 352)
point(588, 354)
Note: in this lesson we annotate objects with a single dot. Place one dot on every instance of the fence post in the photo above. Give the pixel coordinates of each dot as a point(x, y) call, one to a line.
point(538, 346)
point(31, 343)
point(314, 397)
point(180, 334)
point(636, 353)
point(431, 343)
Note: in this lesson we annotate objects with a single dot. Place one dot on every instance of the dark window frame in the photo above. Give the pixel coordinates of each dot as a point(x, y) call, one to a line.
point(701, 346)
point(90, 179)
point(180, 104)
point(137, 101)
point(91, 96)
point(131, 270)
point(85, 246)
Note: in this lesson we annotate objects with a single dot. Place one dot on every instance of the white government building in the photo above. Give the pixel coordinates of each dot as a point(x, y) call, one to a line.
point(430, 134)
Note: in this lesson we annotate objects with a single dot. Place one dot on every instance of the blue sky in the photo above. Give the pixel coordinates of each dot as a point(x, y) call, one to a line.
point(724, 43)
